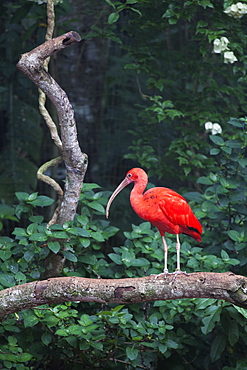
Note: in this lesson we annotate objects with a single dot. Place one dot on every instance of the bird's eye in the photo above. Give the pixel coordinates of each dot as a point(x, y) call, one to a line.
point(129, 175)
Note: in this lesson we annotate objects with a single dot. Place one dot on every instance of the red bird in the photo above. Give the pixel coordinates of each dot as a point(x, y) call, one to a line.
point(163, 208)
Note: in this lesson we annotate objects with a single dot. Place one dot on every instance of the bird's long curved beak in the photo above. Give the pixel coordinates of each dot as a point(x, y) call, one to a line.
point(120, 187)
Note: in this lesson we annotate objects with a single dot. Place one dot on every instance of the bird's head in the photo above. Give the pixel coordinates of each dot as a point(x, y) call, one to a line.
point(135, 175)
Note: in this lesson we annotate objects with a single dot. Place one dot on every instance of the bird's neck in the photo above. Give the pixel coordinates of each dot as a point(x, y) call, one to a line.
point(136, 194)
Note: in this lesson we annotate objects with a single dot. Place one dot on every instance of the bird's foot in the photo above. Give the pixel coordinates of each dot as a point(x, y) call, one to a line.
point(178, 272)
point(164, 273)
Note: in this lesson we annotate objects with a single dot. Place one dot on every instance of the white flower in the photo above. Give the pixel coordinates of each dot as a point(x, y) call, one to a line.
point(217, 46)
point(214, 127)
point(229, 57)
point(236, 10)
point(208, 126)
point(221, 45)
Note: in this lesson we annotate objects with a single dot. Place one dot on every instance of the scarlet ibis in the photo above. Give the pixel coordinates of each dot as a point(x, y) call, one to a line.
point(163, 208)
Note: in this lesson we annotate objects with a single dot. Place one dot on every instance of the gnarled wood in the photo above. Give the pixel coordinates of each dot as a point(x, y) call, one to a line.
point(32, 65)
point(225, 286)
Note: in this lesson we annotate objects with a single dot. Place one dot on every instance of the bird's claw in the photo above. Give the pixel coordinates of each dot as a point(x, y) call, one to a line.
point(165, 273)
point(178, 272)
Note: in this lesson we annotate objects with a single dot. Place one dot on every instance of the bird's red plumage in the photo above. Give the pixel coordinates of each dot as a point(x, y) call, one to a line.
point(163, 208)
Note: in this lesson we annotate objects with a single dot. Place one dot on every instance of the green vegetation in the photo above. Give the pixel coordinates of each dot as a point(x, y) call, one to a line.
point(167, 83)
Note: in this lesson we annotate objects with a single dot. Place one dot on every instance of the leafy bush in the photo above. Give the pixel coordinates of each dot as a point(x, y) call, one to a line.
point(202, 333)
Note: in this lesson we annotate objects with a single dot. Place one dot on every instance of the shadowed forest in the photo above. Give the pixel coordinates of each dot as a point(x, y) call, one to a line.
point(154, 84)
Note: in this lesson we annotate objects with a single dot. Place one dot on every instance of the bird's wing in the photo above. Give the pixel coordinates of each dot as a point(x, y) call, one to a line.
point(175, 208)
point(170, 212)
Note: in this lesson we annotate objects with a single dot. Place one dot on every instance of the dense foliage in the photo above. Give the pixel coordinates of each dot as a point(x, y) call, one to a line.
point(203, 332)
point(180, 85)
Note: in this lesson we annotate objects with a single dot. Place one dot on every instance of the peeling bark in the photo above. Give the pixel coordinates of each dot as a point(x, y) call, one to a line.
point(32, 64)
point(225, 286)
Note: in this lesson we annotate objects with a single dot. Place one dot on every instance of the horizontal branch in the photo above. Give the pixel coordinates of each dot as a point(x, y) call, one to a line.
point(225, 286)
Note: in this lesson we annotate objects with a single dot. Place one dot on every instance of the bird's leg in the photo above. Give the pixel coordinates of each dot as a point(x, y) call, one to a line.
point(178, 270)
point(178, 252)
point(165, 272)
point(165, 254)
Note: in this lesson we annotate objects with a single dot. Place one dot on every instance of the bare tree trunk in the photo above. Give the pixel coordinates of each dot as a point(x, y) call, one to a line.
point(32, 64)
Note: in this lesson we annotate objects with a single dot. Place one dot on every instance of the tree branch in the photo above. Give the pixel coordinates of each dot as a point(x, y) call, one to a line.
point(225, 286)
point(33, 65)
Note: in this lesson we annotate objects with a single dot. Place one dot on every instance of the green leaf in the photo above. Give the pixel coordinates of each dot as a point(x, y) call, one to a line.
point(113, 17)
point(162, 347)
point(234, 235)
point(36, 219)
point(115, 258)
point(242, 311)
point(97, 236)
point(118, 308)
point(172, 344)
point(226, 150)
point(12, 340)
point(62, 332)
point(110, 3)
point(89, 186)
point(209, 321)
point(46, 338)
point(42, 201)
point(217, 140)
point(38, 237)
point(135, 10)
point(22, 196)
point(128, 257)
point(97, 206)
point(97, 345)
point(235, 122)
point(54, 246)
point(70, 256)
point(78, 231)
point(85, 242)
point(32, 197)
point(217, 347)
point(85, 320)
point(22, 357)
point(214, 151)
point(131, 353)
point(32, 228)
point(140, 262)
point(233, 144)
point(224, 255)
point(18, 231)
point(56, 227)
point(243, 162)
point(204, 303)
point(5, 254)
point(7, 280)
point(60, 235)
point(194, 195)
point(172, 20)
point(233, 332)
point(20, 277)
point(30, 320)
point(204, 180)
